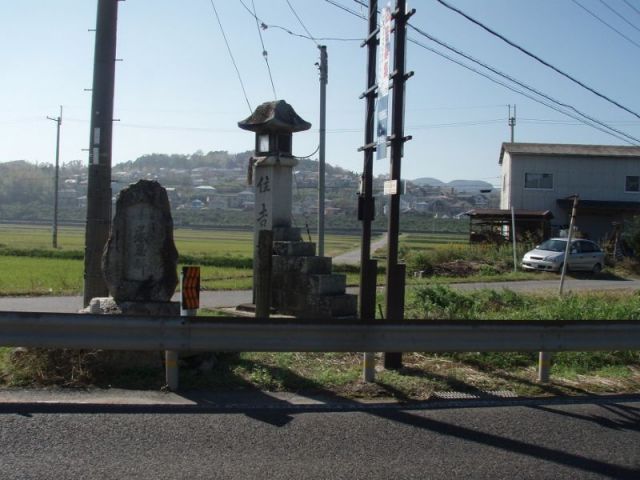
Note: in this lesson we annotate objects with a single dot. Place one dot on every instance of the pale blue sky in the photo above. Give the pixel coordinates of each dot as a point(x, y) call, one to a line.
point(177, 91)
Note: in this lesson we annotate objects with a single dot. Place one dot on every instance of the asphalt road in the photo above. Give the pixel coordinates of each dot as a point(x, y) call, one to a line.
point(218, 299)
point(538, 440)
point(353, 257)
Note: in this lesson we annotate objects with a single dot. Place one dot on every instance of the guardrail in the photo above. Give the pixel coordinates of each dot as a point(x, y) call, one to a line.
point(232, 334)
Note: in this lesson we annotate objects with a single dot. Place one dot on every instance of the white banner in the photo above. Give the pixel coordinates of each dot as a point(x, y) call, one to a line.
point(383, 83)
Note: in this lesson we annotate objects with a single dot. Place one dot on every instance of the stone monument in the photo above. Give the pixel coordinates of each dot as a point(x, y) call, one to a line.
point(301, 282)
point(140, 259)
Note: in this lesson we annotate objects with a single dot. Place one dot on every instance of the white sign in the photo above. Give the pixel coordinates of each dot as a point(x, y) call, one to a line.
point(390, 187)
point(383, 83)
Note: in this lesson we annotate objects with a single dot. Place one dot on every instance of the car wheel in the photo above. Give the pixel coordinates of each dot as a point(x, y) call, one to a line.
point(597, 268)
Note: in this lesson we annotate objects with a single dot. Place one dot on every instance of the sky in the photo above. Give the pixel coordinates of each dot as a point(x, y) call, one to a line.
point(177, 90)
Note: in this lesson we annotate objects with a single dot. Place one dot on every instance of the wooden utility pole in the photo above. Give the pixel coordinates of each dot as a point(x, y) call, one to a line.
point(366, 206)
point(512, 121)
point(54, 228)
point(100, 139)
point(321, 149)
point(396, 272)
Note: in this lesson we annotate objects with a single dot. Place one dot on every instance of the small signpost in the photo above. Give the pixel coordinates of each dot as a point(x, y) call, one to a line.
point(189, 304)
point(190, 289)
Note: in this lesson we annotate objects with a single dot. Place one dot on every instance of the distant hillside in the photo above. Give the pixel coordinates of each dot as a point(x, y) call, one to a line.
point(469, 186)
point(432, 182)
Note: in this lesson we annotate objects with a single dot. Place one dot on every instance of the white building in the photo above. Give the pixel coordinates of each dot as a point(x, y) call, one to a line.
point(540, 176)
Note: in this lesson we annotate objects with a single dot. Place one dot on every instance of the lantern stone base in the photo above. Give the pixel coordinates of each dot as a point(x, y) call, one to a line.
point(304, 286)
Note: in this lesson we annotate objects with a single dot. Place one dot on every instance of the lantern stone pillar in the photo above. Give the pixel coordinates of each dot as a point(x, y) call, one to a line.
point(271, 170)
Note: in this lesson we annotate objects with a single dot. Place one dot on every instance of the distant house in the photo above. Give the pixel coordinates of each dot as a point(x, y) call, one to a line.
point(541, 177)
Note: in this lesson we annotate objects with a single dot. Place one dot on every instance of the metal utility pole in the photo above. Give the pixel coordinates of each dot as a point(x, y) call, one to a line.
point(54, 228)
point(100, 138)
point(396, 272)
point(366, 205)
point(544, 358)
point(567, 249)
point(512, 121)
point(324, 77)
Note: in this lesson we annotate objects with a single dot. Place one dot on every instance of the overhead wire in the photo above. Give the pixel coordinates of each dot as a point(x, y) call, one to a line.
point(304, 27)
point(265, 54)
point(619, 15)
point(537, 58)
point(346, 9)
point(583, 118)
point(518, 82)
point(233, 60)
point(632, 7)
point(521, 92)
point(594, 15)
point(265, 26)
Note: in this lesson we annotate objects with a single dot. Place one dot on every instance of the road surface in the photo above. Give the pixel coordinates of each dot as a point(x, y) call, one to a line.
point(353, 257)
point(232, 298)
point(534, 439)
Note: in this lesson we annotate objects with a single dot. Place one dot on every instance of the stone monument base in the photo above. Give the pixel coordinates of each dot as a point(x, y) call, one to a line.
point(108, 306)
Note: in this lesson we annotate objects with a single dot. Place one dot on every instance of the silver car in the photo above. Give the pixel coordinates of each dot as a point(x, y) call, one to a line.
point(549, 256)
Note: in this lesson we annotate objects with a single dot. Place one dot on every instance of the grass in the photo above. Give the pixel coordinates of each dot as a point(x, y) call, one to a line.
point(35, 268)
point(441, 302)
point(225, 259)
point(335, 374)
point(339, 374)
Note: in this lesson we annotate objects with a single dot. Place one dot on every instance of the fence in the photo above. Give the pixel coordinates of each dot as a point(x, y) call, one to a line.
point(231, 334)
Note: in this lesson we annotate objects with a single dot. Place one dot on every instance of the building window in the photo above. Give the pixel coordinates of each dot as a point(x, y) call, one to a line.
point(632, 183)
point(538, 180)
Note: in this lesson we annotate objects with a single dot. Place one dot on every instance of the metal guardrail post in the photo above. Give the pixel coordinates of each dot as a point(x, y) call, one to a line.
point(544, 367)
point(171, 370)
point(369, 367)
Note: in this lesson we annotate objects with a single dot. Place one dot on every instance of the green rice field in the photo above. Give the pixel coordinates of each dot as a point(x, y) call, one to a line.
point(31, 266)
point(32, 273)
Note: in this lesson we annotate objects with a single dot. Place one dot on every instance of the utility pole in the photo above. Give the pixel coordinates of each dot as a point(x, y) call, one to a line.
point(324, 77)
point(366, 205)
point(100, 139)
point(512, 121)
point(54, 229)
point(396, 272)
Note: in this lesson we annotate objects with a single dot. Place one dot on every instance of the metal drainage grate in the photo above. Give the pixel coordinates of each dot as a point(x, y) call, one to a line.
point(477, 396)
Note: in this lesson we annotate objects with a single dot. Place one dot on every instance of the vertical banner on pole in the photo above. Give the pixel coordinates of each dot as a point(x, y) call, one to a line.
point(382, 114)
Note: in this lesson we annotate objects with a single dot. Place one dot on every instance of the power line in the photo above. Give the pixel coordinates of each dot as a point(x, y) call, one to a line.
point(583, 118)
point(518, 82)
point(346, 9)
point(632, 7)
point(233, 60)
point(605, 23)
point(619, 15)
point(265, 26)
point(304, 27)
point(523, 93)
point(264, 50)
point(535, 57)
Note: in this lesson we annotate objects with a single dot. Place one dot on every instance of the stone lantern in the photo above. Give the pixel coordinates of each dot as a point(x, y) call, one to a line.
point(301, 283)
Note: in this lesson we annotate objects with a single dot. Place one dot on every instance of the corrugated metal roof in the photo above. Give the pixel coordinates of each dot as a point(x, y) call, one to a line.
point(496, 212)
point(565, 149)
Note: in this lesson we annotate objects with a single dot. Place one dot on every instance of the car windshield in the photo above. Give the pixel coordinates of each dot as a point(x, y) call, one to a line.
point(553, 245)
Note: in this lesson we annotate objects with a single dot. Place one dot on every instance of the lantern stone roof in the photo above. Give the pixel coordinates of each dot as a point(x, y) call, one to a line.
point(274, 117)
